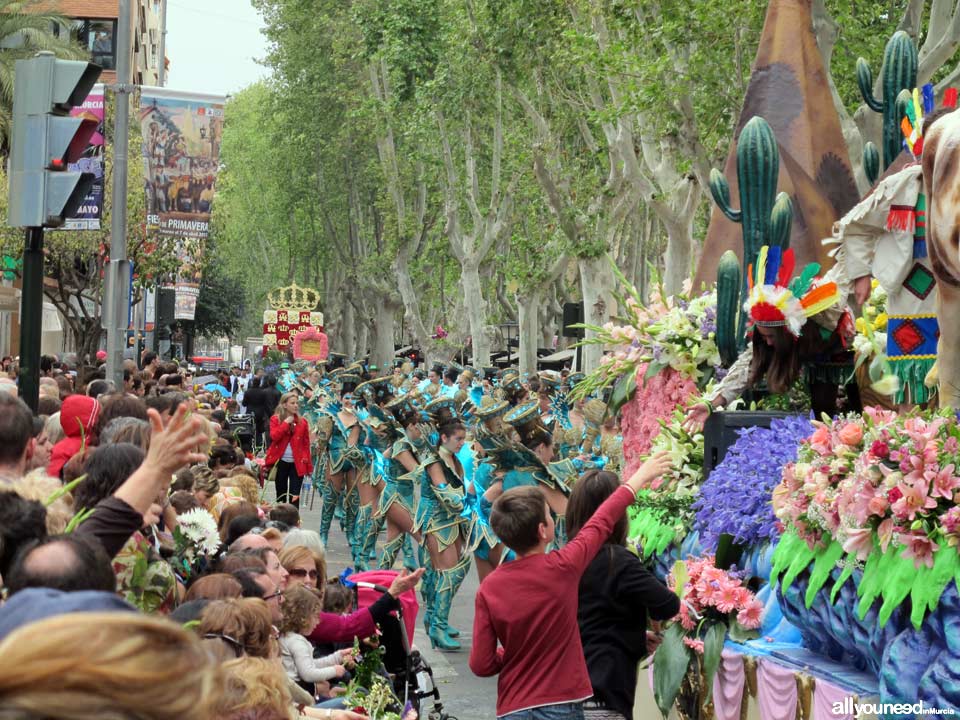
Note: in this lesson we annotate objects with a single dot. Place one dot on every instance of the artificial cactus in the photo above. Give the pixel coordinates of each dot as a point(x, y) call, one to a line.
point(781, 222)
point(899, 72)
point(765, 216)
point(728, 310)
point(871, 162)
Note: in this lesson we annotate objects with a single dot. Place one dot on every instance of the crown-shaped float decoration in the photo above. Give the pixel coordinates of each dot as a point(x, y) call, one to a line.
point(293, 297)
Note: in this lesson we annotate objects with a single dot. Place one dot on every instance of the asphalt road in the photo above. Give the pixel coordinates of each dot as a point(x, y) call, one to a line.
point(464, 696)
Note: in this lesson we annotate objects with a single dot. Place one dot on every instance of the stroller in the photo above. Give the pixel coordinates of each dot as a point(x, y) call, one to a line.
point(411, 674)
point(244, 428)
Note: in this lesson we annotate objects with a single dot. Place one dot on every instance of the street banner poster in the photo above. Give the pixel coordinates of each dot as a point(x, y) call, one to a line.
point(181, 150)
point(87, 216)
point(187, 286)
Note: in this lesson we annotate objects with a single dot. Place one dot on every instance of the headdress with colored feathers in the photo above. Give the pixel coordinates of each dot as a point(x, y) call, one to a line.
point(920, 104)
point(774, 301)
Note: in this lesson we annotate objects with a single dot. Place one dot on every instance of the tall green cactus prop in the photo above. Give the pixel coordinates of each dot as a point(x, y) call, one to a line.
point(728, 309)
point(765, 216)
point(871, 162)
point(899, 72)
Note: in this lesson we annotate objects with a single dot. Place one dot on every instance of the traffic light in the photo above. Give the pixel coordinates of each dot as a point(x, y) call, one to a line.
point(45, 140)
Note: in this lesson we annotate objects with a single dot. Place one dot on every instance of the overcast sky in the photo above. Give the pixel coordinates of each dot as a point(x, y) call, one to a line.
point(213, 45)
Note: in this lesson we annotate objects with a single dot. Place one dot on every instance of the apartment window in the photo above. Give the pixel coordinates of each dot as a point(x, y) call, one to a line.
point(97, 35)
point(154, 56)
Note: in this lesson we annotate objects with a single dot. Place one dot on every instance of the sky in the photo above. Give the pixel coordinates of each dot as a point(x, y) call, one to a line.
point(213, 45)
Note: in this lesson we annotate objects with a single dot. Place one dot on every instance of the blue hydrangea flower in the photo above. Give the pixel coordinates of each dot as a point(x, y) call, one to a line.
point(735, 499)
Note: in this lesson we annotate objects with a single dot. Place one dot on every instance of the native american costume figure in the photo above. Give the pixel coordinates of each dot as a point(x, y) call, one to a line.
point(884, 236)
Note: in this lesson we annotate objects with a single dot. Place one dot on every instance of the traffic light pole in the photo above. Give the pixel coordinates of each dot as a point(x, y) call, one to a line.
point(119, 268)
point(31, 317)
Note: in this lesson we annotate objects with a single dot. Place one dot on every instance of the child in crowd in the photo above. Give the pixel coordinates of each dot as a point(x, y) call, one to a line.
point(301, 612)
point(529, 606)
point(337, 598)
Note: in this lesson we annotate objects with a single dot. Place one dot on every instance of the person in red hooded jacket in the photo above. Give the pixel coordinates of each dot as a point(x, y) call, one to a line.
point(289, 449)
point(78, 418)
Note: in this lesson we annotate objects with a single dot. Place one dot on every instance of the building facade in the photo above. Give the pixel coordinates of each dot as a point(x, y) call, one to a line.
point(95, 26)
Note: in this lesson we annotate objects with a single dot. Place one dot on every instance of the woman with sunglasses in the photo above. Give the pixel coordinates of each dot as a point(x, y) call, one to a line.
point(304, 566)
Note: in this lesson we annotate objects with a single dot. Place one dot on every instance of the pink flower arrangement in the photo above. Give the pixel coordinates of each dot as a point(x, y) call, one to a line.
point(709, 594)
point(655, 400)
point(876, 481)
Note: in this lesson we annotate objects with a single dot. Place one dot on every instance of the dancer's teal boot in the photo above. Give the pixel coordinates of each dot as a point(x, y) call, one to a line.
point(409, 557)
point(390, 550)
point(328, 504)
point(358, 540)
point(448, 583)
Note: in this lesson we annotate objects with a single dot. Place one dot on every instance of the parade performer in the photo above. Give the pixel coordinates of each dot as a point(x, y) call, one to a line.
point(397, 501)
point(439, 520)
point(798, 327)
point(377, 439)
point(884, 237)
point(490, 434)
point(344, 458)
point(530, 462)
point(288, 457)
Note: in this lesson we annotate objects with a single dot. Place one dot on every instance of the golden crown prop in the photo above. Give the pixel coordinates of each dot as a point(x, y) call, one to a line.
point(293, 297)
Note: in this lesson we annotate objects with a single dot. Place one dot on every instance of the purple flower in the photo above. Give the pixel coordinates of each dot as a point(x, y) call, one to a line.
point(735, 499)
point(657, 352)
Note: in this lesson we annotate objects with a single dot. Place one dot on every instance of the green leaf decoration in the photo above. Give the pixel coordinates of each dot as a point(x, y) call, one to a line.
point(871, 582)
point(712, 648)
point(669, 666)
point(844, 576)
point(898, 581)
point(797, 562)
point(823, 565)
point(931, 582)
point(77, 520)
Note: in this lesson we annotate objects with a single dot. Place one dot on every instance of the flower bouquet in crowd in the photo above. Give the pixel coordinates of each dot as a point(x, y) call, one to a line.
point(195, 540)
point(714, 603)
point(879, 494)
point(735, 499)
point(663, 513)
point(370, 692)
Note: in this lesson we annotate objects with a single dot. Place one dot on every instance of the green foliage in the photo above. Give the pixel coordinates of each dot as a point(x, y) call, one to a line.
point(671, 663)
point(26, 27)
point(220, 302)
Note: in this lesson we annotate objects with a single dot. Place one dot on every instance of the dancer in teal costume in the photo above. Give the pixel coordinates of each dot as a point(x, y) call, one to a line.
point(344, 459)
point(439, 519)
point(397, 502)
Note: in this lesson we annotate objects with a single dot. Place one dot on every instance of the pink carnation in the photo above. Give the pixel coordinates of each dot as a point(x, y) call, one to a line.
point(695, 645)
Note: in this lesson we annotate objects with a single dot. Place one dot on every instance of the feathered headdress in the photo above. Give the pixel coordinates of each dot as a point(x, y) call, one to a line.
point(920, 104)
point(772, 302)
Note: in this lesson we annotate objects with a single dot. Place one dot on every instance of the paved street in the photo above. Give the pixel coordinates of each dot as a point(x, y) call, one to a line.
point(464, 696)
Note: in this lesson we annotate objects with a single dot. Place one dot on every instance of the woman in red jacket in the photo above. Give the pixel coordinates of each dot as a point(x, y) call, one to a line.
point(289, 449)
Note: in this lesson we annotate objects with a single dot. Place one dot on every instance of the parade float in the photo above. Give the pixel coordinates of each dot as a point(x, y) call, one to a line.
point(844, 529)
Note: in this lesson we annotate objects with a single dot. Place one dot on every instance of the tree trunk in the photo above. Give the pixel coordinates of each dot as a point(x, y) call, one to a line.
point(677, 258)
point(596, 281)
point(87, 337)
point(348, 330)
point(363, 335)
point(382, 347)
point(476, 309)
point(528, 311)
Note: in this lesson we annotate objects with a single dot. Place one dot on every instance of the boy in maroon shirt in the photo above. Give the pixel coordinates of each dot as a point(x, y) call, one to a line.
point(530, 605)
